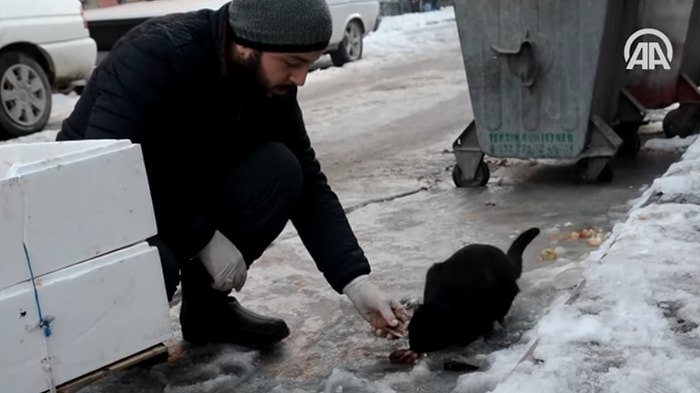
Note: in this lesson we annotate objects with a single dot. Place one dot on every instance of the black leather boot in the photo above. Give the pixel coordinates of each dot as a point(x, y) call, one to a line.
point(209, 316)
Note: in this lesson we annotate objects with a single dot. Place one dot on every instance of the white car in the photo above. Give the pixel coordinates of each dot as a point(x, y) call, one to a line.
point(44, 47)
point(352, 21)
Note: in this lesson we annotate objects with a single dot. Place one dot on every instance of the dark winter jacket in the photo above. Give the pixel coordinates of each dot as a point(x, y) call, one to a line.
point(164, 86)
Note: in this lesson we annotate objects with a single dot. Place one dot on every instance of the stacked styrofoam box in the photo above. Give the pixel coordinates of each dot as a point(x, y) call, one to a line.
point(84, 210)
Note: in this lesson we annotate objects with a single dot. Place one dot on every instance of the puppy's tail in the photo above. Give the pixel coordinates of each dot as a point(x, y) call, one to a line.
point(515, 252)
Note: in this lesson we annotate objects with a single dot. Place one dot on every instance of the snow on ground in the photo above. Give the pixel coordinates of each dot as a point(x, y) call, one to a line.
point(631, 325)
point(398, 37)
point(623, 320)
point(670, 144)
point(400, 40)
point(627, 313)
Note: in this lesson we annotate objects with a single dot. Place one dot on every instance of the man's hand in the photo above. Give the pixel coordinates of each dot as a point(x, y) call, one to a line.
point(224, 263)
point(387, 317)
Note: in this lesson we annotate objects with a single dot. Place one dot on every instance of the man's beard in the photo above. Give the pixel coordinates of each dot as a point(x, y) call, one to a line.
point(248, 72)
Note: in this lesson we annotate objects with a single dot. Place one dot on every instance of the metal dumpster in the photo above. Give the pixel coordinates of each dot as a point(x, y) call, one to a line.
point(658, 87)
point(545, 79)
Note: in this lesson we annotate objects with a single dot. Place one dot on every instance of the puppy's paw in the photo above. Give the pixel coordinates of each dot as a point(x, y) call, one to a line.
point(404, 356)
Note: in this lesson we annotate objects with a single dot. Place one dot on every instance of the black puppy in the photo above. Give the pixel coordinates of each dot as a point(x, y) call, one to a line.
point(466, 294)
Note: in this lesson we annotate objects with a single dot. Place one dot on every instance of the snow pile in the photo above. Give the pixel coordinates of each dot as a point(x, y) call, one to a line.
point(392, 30)
point(421, 35)
point(680, 184)
point(632, 323)
point(670, 144)
point(412, 35)
point(343, 381)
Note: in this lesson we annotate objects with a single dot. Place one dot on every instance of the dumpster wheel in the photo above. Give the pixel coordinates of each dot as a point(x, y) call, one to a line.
point(481, 176)
point(631, 140)
point(682, 122)
point(593, 170)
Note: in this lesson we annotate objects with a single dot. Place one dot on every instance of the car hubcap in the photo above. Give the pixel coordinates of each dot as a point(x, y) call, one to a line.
point(22, 95)
point(353, 41)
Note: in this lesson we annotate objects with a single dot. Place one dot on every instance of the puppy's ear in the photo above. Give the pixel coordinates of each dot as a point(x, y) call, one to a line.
point(434, 270)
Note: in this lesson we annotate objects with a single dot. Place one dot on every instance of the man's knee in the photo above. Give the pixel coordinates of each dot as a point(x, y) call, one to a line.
point(259, 196)
point(270, 174)
point(278, 162)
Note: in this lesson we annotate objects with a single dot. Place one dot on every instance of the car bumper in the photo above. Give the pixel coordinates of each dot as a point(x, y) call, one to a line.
point(377, 23)
point(72, 60)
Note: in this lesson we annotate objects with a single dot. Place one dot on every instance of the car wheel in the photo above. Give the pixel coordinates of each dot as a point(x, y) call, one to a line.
point(350, 49)
point(25, 94)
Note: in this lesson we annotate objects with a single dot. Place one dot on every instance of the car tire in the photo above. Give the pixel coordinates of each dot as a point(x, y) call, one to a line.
point(351, 47)
point(25, 95)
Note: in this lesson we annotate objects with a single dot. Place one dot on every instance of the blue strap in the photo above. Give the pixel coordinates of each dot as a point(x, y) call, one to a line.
point(43, 323)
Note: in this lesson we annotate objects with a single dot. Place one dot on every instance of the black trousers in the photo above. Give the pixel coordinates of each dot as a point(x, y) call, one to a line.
point(251, 205)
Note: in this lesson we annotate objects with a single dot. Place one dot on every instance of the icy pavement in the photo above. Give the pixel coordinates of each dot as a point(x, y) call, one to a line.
point(330, 349)
point(382, 127)
point(631, 325)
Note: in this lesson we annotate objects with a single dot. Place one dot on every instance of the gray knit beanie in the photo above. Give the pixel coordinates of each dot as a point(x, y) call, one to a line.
point(292, 26)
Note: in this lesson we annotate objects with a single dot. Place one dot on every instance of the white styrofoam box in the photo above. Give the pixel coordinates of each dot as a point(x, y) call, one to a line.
point(71, 201)
point(104, 310)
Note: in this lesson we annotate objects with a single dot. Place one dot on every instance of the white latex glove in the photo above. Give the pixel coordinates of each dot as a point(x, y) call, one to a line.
point(388, 318)
point(224, 263)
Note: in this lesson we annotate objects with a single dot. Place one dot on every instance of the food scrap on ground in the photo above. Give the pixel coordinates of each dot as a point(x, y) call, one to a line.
point(548, 254)
point(594, 237)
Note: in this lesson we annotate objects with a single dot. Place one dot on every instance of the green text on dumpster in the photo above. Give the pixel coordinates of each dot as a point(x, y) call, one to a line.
point(551, 144)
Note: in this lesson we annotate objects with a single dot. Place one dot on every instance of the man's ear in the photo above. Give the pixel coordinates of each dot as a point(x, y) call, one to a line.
point(241, 52)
